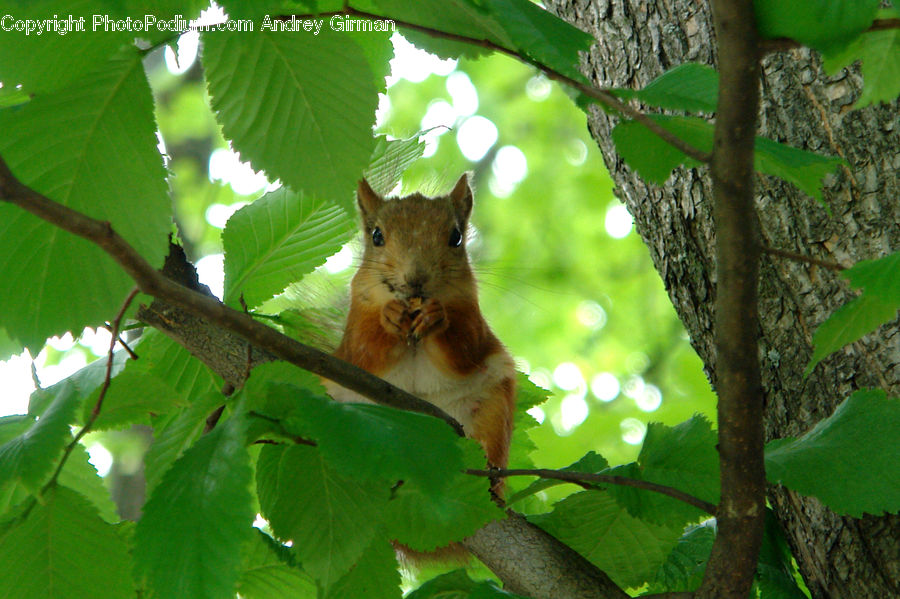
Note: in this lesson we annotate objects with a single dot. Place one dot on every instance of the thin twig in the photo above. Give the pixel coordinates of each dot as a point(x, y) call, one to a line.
point(603, 96)
point(797, 257)
point(582, 478)
point(95, 412)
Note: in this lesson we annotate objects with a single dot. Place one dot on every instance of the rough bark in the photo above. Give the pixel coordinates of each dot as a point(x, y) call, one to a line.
point(638, 40)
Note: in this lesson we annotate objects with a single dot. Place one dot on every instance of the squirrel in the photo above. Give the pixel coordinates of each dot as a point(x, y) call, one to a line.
point(414, 318)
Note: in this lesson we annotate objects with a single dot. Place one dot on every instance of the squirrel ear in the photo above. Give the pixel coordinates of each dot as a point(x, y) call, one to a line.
point(462, 199)
point(368, 200)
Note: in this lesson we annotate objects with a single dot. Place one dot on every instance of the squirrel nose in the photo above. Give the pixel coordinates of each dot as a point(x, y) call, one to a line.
point(415, 282)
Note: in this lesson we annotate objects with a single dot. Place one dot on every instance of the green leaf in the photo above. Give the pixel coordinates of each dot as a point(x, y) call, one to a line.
point(8, 347)
point(188, 542)
point(654, 159)
point(631, 551)
point(374, 576)
point(268, 570)
point(691, 87)
point(848, 460)
point(63, 549)
point(172, 437)
point(517, 25)
point(684, 567)
point(541, 36)
point(131, 398)
point(390, 159)
point(591, 462)
point(804, 169)
point(339, 515)
point(528, 395)
point(78, 146)
point(80, 475)
point(383, 444)
point(879, 52)
point(878, 304)
point(167, 360)
point(48, 61)
point(29, 457)
point(276, 240)
point(458, 585)
point(80, 384)
point(683, 457)
point(321, 141)
point(775, 572)
point(821, 24)
point(374, 442)
point(424, 521)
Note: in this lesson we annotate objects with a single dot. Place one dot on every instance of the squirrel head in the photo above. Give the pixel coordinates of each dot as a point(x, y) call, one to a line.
point(415, 246)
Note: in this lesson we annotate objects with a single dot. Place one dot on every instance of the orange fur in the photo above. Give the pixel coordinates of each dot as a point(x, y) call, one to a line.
point(414, 319)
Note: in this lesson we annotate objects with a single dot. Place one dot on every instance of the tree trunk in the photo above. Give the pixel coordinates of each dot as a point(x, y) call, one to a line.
point(637, 41)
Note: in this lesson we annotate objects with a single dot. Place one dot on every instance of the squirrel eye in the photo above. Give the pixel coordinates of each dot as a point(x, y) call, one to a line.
point(455, 238)
point(377, 237)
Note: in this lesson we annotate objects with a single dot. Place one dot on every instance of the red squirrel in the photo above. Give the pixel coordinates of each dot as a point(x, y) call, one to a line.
point(414, 318)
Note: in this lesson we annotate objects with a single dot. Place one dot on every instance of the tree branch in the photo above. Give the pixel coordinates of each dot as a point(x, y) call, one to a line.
point(523, 556)
point(153, 283)
point(531, 562)
point(603, 96)
point(589, 477)
point(797, 257)
point(732, 563)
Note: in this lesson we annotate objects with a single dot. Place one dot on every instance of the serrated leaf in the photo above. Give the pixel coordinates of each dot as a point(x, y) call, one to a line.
point(541, 35)
point(775, 570)
point(382, 443)
point(654, 159)
point(174, 436)
point(278, 239)
point(189, 539)
point(8, 347)
point(821, 24)
point(167, 360)
point(63, 549)
point(591, 462)
point(458, 585)
point(390, 159)
point(691, 87)
point(268, 570)
point(879, 52)
point(424, 522)
point(80, 475)
point(80, 384)
point(374, 576)
point(631, 551)
point(29, 457)
point(131, 398)
point(683, 457)
point(848, 460)
point(376, 443)
point(879, 303)
point(339, 515)
point(321, 140)
point(77, 146)
point(684, 567)
point(804, 169)
point(47, 61)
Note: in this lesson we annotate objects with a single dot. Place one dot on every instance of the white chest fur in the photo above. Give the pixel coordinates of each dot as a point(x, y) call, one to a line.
point(456, 395)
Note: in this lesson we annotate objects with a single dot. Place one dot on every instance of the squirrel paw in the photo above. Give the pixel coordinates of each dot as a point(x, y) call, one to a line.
point(429, 318)
point(395, 319)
